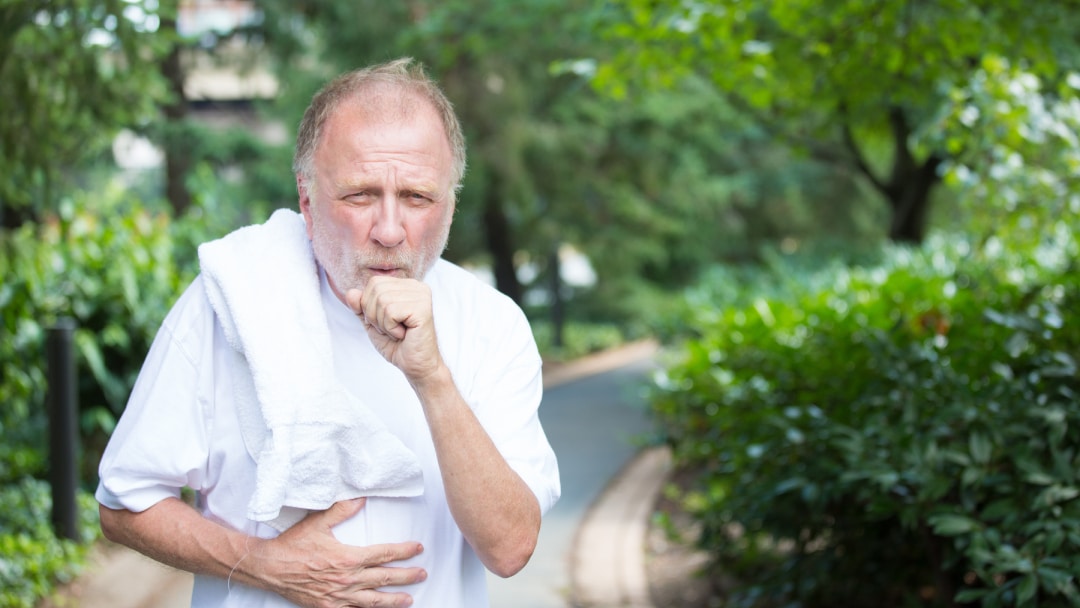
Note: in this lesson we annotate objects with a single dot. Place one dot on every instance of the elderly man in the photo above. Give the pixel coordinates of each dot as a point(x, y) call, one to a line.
point(357, 417)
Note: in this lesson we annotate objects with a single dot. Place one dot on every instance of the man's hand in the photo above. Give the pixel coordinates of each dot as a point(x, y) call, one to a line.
point(397, 315)
point(308, 566)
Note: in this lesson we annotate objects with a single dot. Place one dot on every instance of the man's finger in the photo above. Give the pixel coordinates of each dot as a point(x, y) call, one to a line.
point(377, 555)
point(385, 578)
point(391, 325)
point(374, 307)
point(377, 599)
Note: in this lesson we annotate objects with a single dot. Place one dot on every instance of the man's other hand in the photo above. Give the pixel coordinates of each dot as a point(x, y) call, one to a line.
point(398, 316)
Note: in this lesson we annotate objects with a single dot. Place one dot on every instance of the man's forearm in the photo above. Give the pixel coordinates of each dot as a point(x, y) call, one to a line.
point(175, 534)
point(494, 508)
point(305, 564)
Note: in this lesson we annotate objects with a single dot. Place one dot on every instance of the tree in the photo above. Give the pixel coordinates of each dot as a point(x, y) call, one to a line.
point(651, 189)
point(491, 58)
point(72, 73)
point(174, 110)
point(852, 82)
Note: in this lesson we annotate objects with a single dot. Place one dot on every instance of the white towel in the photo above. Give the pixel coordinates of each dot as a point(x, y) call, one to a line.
point(313, 442)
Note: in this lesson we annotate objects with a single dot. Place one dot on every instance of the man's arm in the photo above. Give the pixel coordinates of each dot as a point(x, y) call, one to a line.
point(494, 508)
point(305, 564)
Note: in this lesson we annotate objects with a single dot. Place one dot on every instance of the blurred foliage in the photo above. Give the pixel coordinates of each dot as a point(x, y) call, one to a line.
point(580, 339)
point(115, 267)
point(1015, 151)
point(32, 559)
point(72, 74)
point(902, 433)
point(861, 84)
point(678, 173)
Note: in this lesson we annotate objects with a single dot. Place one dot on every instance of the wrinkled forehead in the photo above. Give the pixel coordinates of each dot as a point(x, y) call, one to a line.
point(366, 132)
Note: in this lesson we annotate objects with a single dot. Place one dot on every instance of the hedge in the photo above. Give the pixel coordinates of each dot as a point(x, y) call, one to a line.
point(901, 434)
point(115, 268)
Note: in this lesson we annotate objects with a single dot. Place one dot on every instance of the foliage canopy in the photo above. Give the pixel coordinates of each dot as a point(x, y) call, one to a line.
point(864, 84)
point(72, 73)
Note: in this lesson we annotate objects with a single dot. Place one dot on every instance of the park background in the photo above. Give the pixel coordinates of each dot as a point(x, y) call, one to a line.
point(851, 224)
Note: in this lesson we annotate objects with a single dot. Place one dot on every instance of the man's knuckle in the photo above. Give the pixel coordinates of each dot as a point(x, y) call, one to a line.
point(374, 600)
point(385, 578)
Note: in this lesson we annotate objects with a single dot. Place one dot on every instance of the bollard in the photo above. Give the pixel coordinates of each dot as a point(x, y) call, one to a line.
point(63, 430)
point(558, 306)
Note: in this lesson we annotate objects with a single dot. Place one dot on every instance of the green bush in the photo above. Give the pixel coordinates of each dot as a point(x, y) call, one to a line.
point(32, 559)
point(115, 268)
point(902, 435)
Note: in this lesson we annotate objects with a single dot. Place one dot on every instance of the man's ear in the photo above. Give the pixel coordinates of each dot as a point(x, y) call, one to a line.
point(303, 192)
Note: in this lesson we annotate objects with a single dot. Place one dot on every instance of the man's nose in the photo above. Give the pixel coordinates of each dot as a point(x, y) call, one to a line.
point(388, 228)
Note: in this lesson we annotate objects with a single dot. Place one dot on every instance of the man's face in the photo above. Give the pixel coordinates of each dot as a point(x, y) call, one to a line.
point(382, 200)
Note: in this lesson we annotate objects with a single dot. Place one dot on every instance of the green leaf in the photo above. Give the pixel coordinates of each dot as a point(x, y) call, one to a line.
point(952, 525)
point(1017, 344)
point(1055, 580)
point(1025, 591)
point(980, 447)
point(999, 509)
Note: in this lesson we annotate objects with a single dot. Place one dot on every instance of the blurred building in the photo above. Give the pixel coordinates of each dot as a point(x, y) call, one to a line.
point(224, 77)
point(223, 74)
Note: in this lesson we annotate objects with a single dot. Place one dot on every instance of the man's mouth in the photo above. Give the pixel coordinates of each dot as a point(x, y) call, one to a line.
point(383, 270)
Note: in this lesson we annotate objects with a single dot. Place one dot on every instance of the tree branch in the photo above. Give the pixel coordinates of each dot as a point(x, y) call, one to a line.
point(903, 161)
point(814, 147)
point(857, 155)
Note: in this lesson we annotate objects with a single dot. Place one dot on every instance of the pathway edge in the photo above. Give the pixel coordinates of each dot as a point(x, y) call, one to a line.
point(607, 561)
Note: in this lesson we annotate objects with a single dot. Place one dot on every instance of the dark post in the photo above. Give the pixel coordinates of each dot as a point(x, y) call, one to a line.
point(63, 436)
point(558, 310)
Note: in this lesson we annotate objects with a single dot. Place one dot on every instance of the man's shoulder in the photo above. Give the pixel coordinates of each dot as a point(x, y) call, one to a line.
point(191, 316)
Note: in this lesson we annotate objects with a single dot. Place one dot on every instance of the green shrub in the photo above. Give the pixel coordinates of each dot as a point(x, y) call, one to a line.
point(115, 268)
point(902, 435)
point(32, 559)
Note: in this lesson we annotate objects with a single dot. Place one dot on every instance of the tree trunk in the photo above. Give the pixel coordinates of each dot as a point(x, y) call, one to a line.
point(910, 182)
point(909, 201)
point(177, 157)
point(499, 243)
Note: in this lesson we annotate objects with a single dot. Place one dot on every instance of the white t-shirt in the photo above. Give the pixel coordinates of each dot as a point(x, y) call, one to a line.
point(180, 428)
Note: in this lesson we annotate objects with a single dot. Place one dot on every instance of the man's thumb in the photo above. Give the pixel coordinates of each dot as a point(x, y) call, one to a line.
point(342, 510)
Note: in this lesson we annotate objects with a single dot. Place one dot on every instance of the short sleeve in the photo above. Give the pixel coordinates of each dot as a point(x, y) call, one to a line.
point(160, 444)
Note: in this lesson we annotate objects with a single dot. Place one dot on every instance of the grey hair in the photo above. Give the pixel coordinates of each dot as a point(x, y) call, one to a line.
point(401, 75)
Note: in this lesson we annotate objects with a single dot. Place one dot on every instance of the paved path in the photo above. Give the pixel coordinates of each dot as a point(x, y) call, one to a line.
point(593, 413)
point(593, 424)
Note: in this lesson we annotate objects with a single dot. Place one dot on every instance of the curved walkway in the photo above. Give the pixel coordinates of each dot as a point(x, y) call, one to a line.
point(591, 547)
point(594, 416)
